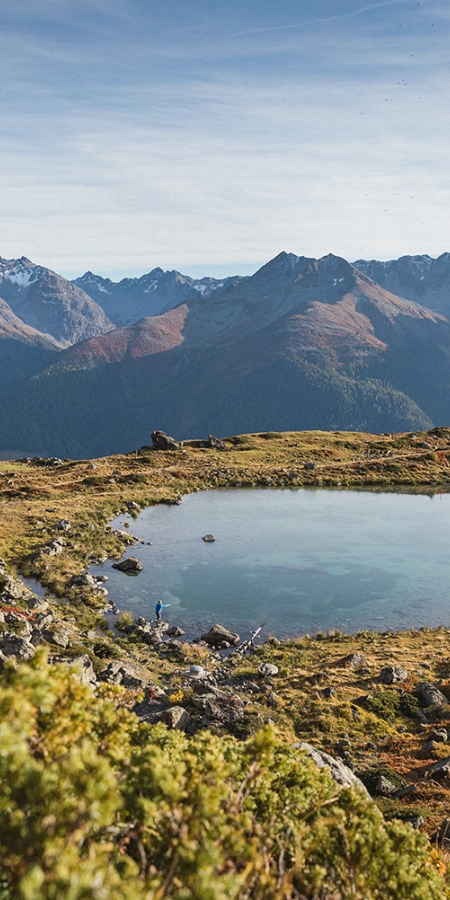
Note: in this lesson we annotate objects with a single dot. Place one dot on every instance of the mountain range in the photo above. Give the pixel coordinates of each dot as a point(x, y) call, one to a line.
point(91, 367)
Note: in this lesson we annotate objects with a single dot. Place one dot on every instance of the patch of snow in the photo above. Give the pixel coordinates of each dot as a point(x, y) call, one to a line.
point(21, 276)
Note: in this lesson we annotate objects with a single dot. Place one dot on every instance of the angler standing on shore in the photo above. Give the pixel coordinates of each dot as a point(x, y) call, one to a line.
point(158, 609)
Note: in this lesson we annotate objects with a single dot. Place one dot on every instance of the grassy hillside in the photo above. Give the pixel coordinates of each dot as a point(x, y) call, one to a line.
point(96, 801)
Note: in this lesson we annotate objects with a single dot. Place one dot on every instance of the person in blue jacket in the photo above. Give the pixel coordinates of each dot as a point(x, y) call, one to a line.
point(158, 608)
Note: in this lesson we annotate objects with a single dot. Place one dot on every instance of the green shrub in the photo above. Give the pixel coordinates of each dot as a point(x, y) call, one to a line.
point(96, 806)
point(385, 704)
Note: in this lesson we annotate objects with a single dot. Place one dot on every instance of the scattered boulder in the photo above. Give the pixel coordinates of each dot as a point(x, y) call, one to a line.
point(341, 774)
point(37, 604)
point(392, 674)
point(309, 465)
point(208, 538)
point(11, 588)
point(64, 525)
point(84, 664)
point(14, 645)
point(175, 631)
point(176, 717)
point(355, 660)
point(54, 548)
point(85, 579)
point(215, 443)
point(118, 672)
point(130, 566)
point(431, 695)
point(267, 669)
point(384, 787)
point(163, 441)
point(219, 633)
point(440, 769)
point(55, 637)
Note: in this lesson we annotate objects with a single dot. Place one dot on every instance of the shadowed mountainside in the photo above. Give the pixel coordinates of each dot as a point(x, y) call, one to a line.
point(302, 344)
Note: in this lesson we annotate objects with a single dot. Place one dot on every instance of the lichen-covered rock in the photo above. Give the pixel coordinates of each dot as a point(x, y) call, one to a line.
point(431, 695)
point(14, 645)
point(392, 674)
point(339, 772)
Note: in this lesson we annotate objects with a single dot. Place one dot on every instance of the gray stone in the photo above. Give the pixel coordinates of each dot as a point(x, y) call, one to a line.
point(440, 769)
point(219, 633)
point(37, 604)
point(356, 660)
point(84, 664)
point(13, 645)
point(341, 774)
point(176, 717)
point(12, 588)
point(392, 674)
point(384, 787)
point(267, 669)
point(55, 637)
point(431, 695)
point(64, 525)
point(130, 566)
point(163, 441)
point(85, 579)
point(215, 443)
point(175, 631)
point(208, 538)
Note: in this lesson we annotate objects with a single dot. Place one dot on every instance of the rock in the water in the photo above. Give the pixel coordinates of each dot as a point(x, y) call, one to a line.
point(176, 717)
point(268, 669)
point(219, 633)
point(208, 538)
point(163, 441)
point(339, 772)
point(431, 695)
point(175, 631)
point(215, 443)
point(13, 645)
point(130, 566)
point(392, 674)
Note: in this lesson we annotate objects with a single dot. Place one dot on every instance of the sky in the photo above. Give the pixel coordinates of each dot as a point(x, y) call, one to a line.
point(209, 136)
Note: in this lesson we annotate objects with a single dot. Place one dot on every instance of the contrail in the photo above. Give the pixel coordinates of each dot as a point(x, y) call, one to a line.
point(356, 12)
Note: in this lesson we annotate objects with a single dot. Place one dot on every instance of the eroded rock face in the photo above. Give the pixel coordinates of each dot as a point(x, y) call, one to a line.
point(339, 772)
point(163, 441)
point(218, 635)
point(215, 443)
point(176, 717)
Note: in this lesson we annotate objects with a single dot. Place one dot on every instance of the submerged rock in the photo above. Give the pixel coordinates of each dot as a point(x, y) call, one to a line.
point(208, 538)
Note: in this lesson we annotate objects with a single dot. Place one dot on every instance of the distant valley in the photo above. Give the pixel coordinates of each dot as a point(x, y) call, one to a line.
point(91, 367)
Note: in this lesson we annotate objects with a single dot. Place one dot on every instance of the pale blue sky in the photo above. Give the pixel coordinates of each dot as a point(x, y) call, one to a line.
point(209, 136)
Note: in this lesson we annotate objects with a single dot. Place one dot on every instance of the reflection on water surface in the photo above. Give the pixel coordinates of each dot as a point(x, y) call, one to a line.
point(299, 560)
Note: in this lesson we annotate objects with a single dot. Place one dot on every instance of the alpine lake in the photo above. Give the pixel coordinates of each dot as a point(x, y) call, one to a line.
point(295, 561)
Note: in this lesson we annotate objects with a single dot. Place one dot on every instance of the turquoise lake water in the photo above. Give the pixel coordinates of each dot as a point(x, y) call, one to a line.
point(297, 560)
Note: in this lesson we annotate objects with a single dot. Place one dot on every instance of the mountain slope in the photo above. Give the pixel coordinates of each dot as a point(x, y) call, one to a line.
point(131, 299)
point(23, 350)
point(50, 303)
point(302, 344)
point(420, 278)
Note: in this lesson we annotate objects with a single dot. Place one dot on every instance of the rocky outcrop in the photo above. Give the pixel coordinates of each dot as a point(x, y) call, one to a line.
point(341, 774)
point(392, 674)
point(431, 695)
point(219, 635)
point(163, 441)
point(215, 443)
